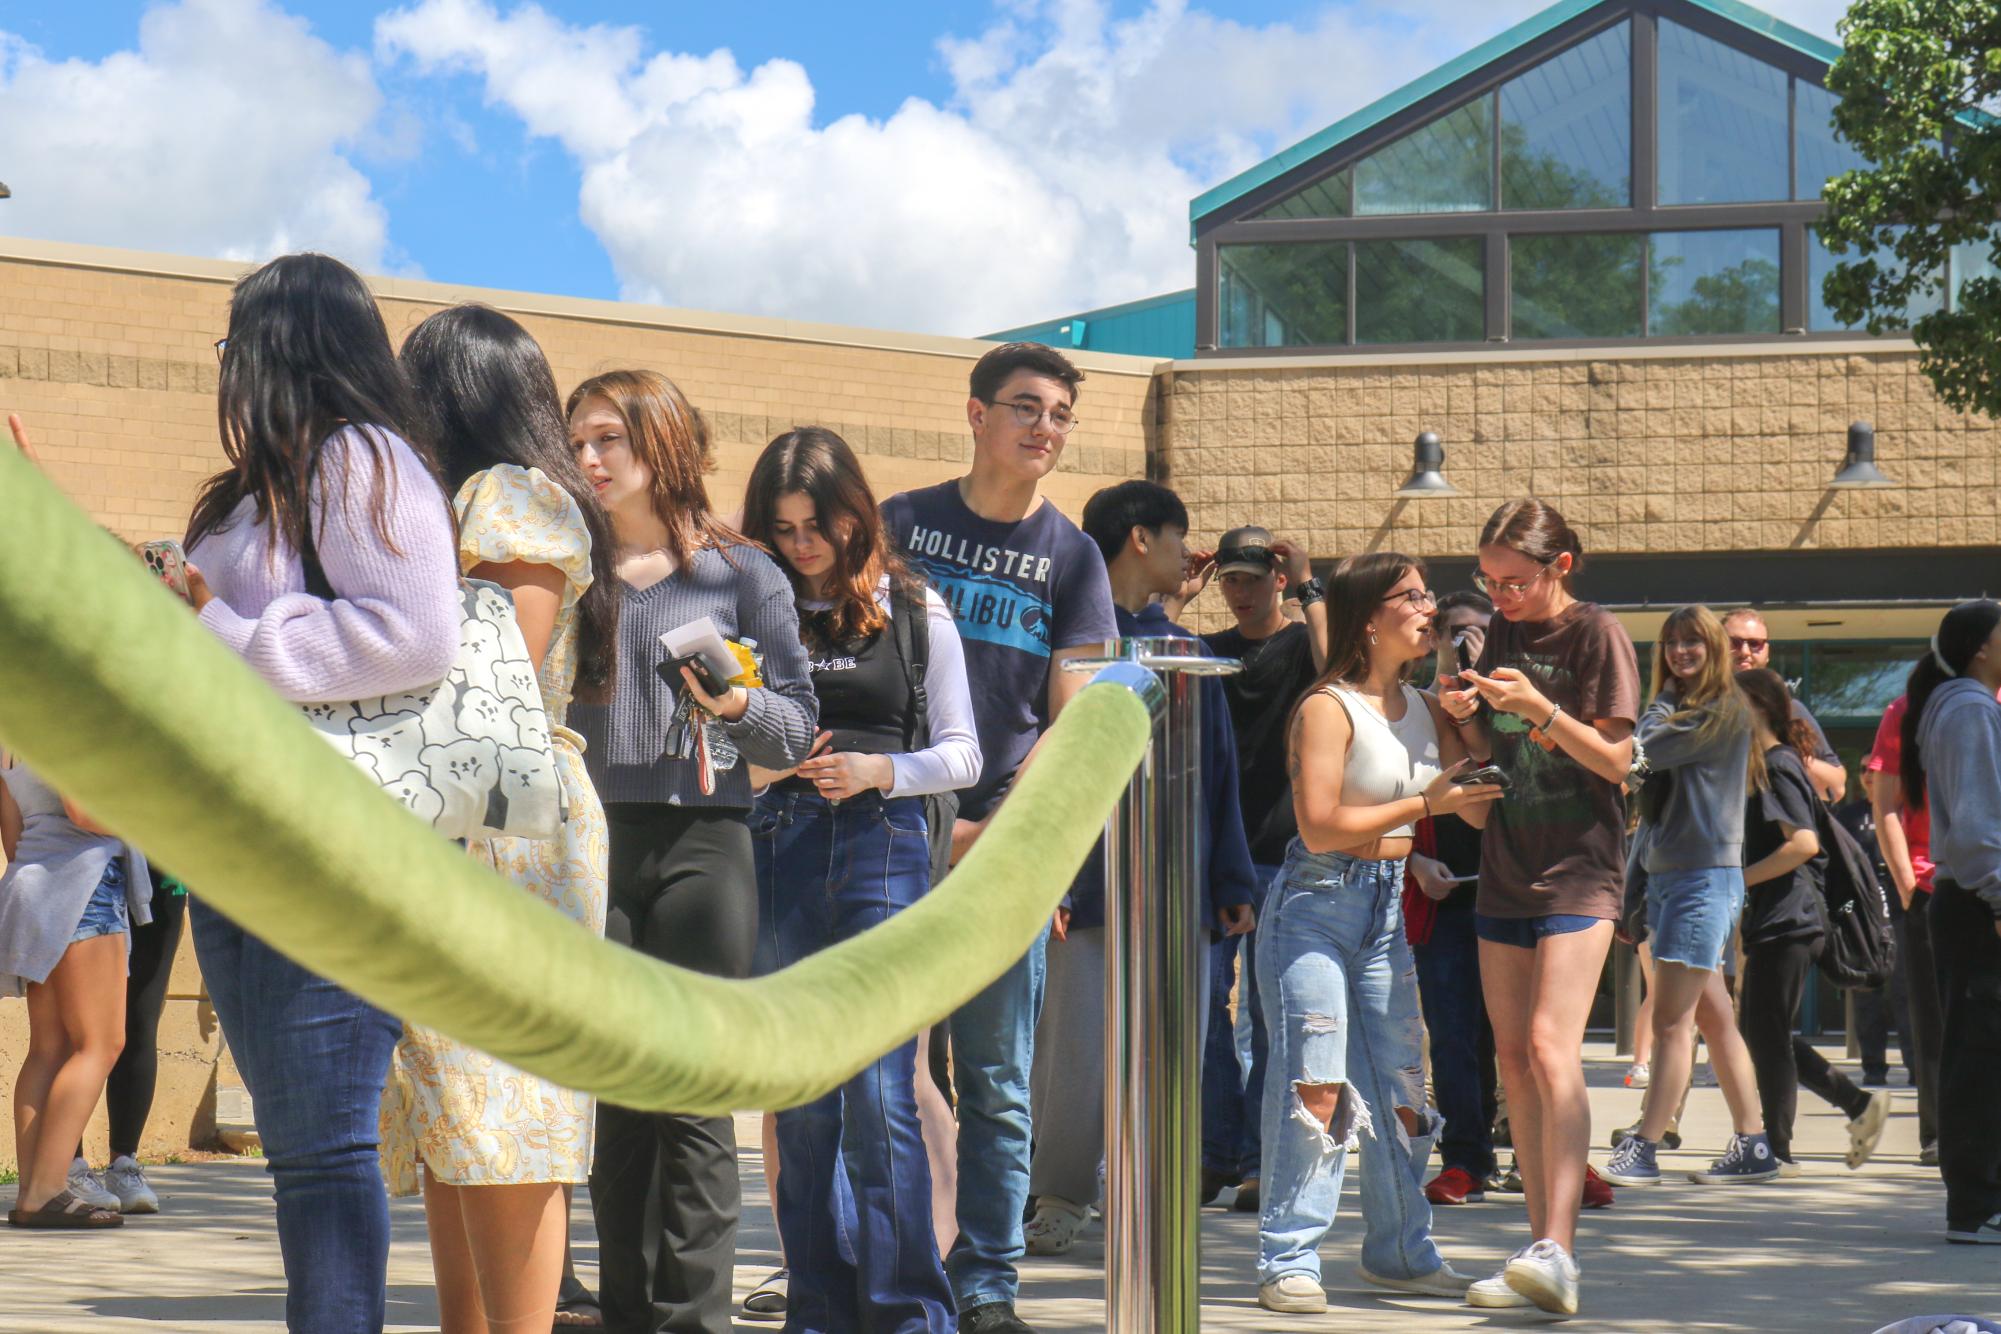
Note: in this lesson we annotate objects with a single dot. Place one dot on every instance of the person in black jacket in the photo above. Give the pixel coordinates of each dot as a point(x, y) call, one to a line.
point(1784, 931)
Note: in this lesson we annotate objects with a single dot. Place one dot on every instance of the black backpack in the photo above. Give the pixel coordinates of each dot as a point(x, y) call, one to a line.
point(911, 625)
point(1859, 952)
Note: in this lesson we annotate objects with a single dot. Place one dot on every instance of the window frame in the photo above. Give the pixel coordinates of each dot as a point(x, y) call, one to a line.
point(1239, 225)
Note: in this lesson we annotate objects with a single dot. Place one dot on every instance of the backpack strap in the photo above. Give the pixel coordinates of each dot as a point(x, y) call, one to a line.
point(910, 621)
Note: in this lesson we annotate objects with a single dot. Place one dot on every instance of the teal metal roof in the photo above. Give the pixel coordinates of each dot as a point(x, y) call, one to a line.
point(1155, 326)
point(1495, 48)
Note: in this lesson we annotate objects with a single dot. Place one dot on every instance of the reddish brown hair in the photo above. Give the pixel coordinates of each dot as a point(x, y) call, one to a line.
point(671, 439)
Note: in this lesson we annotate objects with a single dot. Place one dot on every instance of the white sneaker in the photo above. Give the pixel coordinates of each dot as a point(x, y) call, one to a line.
point(88, 1186)
point(1866, 1130)
point(1494, 1293)
point(1054, 1228)
point(1294, 1294)
point(127, 1180)
point(1444, 1281)
point(1547, 1276)
point(1637, 1075)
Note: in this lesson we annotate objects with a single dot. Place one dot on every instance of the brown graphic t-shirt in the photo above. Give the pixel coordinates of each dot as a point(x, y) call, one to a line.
point(1556, 843)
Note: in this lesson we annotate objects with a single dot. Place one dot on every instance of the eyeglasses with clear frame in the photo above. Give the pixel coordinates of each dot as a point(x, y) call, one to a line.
point(1513, 588)
point(1415, 599)
point(1027, 412)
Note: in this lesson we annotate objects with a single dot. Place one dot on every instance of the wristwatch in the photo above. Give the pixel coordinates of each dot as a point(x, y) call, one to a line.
point(1310, 591)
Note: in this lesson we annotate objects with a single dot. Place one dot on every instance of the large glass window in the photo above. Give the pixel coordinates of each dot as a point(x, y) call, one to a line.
point(1325, 198)
point(1821, 153)
point(1567, 128)
point(1420, 291)
point(1282, 295)
point(1577, 286)
point(1444, 167)
point(1722, 122)
point(1971, 260)
point(1819, 263)
point(1713, 282)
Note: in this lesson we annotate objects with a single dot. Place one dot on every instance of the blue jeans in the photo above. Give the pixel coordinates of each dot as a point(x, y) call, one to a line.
point(993, 1048)
point(314, 1058)
point(861, 1250)
point(1337, 974)
point(1690, 914)
point(1462, 1045)
point(1231, 1096)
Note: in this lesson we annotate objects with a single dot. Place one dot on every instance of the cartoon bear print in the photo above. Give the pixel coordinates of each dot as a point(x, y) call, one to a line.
point(516, 680)
point(329, 717)
point(521, 768)
point(485, 714)
point(470, 764)
point(415, 792)
point(531, 726)
point(390, 745)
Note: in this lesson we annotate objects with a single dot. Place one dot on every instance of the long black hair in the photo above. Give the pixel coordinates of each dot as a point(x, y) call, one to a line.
point(1963, 632)
point(307, 354)
point(488, 397)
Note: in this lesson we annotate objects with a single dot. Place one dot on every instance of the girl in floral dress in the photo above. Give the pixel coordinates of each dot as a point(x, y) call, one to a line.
point(491, 1146)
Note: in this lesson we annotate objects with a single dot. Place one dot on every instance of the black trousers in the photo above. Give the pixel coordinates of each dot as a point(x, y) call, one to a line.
point(1769, 993)
point(128, 1092)
point(664, 1190)
point(1969, 1071)
point(1922, 987)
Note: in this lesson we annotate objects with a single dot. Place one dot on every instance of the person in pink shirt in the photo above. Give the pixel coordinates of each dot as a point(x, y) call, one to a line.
point(1903, 834)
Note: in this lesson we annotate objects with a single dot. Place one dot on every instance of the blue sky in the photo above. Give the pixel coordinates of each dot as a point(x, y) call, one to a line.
point(950, 166)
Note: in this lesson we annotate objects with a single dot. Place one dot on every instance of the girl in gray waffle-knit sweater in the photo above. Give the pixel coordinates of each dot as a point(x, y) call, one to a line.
point(1696, 737)
point(683, 885)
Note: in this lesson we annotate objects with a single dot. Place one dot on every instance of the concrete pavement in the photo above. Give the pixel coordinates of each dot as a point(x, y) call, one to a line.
point(1832, 1251)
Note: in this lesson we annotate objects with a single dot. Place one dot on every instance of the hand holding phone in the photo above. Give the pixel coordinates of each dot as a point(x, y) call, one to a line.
point(670, 672)
point(168, 563)
point(1485, 774)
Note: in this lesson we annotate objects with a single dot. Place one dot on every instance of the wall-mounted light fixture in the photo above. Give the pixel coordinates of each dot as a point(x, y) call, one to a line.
point(1858, 466)
point(5, 193)
point(1426, 480)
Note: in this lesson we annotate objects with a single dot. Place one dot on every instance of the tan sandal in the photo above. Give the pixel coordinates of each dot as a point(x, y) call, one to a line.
point(65, 1210)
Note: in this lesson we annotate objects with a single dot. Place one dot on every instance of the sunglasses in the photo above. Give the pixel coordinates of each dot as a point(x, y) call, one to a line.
point(1739, 644)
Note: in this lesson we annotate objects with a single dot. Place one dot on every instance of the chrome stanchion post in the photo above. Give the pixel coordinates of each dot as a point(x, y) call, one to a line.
point(1155, 994)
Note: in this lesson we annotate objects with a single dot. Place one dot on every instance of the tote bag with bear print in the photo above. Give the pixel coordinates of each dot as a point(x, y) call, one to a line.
point(469, 756)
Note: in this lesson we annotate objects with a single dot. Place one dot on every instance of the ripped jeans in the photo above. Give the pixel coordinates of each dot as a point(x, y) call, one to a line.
point(1341, 1007)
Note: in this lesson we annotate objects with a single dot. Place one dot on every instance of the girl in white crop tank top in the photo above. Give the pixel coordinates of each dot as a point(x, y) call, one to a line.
point(1370, 757)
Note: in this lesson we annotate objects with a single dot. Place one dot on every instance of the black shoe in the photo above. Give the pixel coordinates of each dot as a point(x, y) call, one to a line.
point(992, 1318)
point(1876, 1079)
point(1670, 1139)
point(1247, 1197)
point(1214, 1183)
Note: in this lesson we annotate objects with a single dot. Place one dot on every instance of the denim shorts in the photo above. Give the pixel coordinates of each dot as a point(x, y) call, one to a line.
point(1524, 932)
point(1690, 914)
point(105, 914)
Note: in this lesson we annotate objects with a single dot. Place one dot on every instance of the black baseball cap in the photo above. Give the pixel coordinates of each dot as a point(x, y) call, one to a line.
point(1247, 549)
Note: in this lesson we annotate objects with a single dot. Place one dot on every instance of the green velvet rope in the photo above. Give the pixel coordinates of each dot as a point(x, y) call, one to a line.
point(116, 694)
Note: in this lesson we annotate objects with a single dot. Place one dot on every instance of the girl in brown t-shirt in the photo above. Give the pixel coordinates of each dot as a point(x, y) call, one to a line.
point(1552, 702)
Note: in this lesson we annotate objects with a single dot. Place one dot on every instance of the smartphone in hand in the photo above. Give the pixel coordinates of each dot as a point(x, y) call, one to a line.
point(1486, 773)
point(168, 563)
point(670, 671)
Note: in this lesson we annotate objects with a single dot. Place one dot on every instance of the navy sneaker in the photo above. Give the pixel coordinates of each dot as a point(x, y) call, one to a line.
point(1747, 1161)
point(1632, 1163)
point(1980, 1234)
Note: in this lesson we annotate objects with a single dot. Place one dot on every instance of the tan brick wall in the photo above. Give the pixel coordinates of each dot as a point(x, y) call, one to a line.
point(110, 358)
point(1665, 452)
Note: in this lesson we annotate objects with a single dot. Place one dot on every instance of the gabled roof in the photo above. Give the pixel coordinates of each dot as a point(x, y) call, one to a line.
point(1488, 52)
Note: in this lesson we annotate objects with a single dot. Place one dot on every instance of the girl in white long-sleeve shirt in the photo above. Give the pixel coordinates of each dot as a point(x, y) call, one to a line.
point(842, 843)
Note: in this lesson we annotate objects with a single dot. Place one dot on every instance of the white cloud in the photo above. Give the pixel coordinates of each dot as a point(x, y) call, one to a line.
point(226, 132)
point(1057, 176)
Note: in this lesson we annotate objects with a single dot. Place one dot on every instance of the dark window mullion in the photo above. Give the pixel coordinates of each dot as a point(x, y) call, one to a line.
point(1351, 294)
point(1499, 281)
point(1646, 113)
point(1494, 134)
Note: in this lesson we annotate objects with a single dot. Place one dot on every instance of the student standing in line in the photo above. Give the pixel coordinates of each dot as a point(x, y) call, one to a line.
point(1903, 836)
point(1952, 760)
point(1784, 930)
point(1029, 591)
point(1696, 736)
point(318, 423)
point(1447, 953)
point(1141, 528)
point(492, 1147)
point(1369, 756)
point(1260, 578)
point(677, 796)
point(842, 845)
point(1553, 701)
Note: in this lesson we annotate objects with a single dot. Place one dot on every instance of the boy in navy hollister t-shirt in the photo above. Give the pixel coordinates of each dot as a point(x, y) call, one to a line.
point(1029, 590)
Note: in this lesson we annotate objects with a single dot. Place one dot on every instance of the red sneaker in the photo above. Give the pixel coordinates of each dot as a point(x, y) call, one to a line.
point(1455, 1185)
point(1597, 1190)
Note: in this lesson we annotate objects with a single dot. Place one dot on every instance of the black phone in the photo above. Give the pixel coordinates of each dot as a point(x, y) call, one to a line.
point(1486, 773)
point(1465, 655)
point(670, 672)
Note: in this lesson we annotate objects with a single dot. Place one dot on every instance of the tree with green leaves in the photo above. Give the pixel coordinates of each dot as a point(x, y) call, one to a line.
point(1919, 81)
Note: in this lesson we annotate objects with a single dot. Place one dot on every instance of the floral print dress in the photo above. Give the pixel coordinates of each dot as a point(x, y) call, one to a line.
point(471, 1119)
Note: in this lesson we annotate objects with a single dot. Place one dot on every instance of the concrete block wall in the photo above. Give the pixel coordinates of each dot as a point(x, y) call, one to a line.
point(1653, 450)
point(109, 355)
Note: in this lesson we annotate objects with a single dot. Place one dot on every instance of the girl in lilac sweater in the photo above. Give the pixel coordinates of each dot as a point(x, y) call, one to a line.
point(313, 409)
